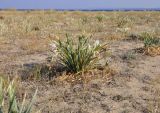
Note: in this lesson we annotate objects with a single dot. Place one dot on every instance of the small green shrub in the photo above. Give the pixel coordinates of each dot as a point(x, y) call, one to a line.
point(151, 42)
point(13, 107)
point(78, 57)
point(145, 35)
point(149, 39)
point(123, 21)
point(99, 18)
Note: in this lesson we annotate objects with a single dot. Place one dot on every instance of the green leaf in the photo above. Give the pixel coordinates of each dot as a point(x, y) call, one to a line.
point(28, 108)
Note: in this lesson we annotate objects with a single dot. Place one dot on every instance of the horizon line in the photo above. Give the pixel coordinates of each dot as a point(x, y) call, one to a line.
point(86, 9)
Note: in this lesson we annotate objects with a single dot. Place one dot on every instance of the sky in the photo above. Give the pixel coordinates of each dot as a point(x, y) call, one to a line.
point(78, 4)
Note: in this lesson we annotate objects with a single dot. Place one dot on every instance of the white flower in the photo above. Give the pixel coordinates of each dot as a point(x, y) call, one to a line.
point(96, 43)
point(53, 46)
point(89, 46)
point(126, 29)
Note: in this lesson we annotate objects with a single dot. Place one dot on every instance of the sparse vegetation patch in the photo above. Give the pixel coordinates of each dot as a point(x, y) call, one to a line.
point(151, 44)
point(78, 56)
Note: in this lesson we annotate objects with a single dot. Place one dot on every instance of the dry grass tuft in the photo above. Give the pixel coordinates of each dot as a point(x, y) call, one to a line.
point(85, 77)
point(152, 51)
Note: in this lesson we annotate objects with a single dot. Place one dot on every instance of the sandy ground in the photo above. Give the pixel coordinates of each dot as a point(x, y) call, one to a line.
point(133, 89)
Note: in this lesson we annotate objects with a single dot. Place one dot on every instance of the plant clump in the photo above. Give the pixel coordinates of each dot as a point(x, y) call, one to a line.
point(151, 44)
point(80, 56)
point(123, 22)
point(100, 18)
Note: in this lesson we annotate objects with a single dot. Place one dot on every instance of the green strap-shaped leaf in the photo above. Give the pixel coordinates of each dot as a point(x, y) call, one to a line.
point(28, 108)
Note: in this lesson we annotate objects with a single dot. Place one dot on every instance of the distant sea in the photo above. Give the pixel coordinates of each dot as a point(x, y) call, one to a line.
point(115, 9)
point(121, 9)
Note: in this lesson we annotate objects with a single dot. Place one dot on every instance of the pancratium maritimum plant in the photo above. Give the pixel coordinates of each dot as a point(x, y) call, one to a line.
point(78, 56)
point(14, 106)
